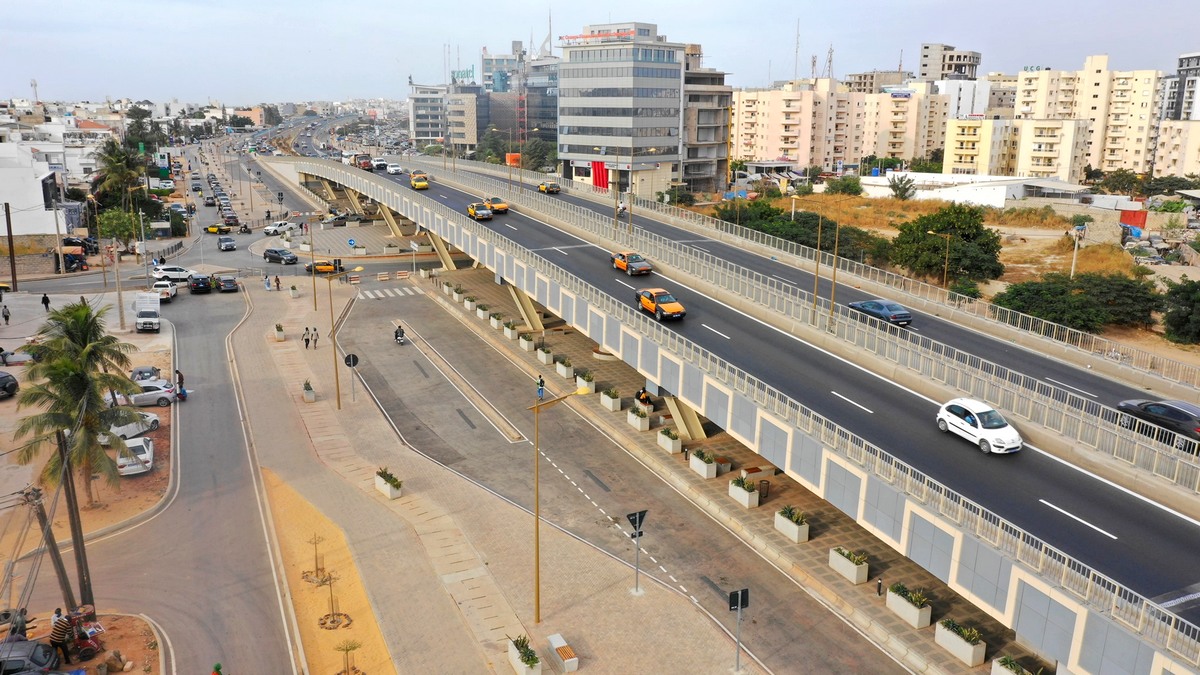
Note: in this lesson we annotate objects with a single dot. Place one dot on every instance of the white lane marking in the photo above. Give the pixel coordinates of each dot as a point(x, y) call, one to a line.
point(784, 279)
point(1078, 519)
point(699, 248)
point(560, 250)
point(715, 331)
point(852, 402)
point(1064, 384)
point(618, 280)
point(511, 227)
point(1179, 601)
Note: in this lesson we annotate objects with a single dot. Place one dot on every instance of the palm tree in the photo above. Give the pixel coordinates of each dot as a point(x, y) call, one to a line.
point(73, 372)
point(119, 169)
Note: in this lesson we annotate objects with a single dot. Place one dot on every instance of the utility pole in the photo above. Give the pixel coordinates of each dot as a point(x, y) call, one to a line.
point(33, 497)
point(72, 498)
point(12, 252)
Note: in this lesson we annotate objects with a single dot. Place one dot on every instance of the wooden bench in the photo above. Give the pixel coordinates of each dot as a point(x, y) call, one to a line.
point(760, 471)
point(647, 408)
point(563, 652)
point(723, 464)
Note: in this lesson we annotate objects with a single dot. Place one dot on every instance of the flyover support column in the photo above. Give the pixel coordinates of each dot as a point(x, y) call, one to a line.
point(442, 250)
point(355, 206)
point(525, 306)
point(390, 218)
point(688, 422)
point(329, 195)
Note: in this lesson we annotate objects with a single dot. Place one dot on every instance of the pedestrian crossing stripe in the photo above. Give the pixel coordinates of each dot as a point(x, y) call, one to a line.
point(388, 293)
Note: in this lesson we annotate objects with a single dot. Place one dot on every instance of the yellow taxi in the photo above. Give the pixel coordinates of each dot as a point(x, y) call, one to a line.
point(322, 267)
point(630, 263)
point(218, 229)
point(419, 182)
point(660, 303)
point(478, 211)
point(549, 187)
point(496, 205)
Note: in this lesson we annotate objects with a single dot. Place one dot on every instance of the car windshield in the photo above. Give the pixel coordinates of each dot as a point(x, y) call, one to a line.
point(990, 419)
point(664, 298)
point(633, 257)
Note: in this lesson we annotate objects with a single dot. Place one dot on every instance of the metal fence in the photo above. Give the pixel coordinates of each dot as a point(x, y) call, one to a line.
point(919, 293)
point(1156, 625)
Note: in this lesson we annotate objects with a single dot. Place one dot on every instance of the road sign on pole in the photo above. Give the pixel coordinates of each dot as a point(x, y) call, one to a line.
point(352, 360)
point(739, 600)
point(636, 519)
point(351, 242)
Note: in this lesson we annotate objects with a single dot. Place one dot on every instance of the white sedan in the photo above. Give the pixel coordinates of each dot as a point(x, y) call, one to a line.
point(145, 422)
point(136, 457)
point(394, 169)
point(172, 273)
point(977, 422)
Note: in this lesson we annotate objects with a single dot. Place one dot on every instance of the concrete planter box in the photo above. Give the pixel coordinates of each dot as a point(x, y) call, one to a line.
point(469, 304)
point(671, 445)
point(496, 323)
point(797, 533)
point(511, 333)
point(612, 404)
point(910, 614)
point(971, 655)
point(514, 660)
point(747, 499)
point(855, 574)
point(564, 371)
point(423, 248)
point(310, 395)
point(481, 313)
point(639, 423)
point(458, 297)
point(306, 247)
point(998, 669)
point(295, 292)
point(279, 336)
point(386, 489)
point(581, 383)
point(447, 289)
point(423, 272)
point(360, 250)
point(391, 249)
point(701, 467)
point(526, 345)
point(545, 357)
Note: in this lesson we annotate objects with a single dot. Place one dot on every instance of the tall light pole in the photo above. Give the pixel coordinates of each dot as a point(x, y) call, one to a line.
point(837, 231)
point(337, 382)
point(537, 502)
point(946, 266)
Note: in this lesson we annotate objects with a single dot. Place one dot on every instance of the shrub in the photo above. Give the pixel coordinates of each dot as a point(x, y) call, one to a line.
point(388, 477)
point(510, 324)
point(526, 653)
point(703, 456)
point(970, 635)
point(669, 433)
point(917, 598)
point(586, 375)
point(307, 386)
point(744, 483)
point(638, 412)
point(794, 514)
point(482, 307)
point(856, 557)
point(612, 392)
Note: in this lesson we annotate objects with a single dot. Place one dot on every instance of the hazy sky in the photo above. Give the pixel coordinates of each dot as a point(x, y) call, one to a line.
point(249, 51)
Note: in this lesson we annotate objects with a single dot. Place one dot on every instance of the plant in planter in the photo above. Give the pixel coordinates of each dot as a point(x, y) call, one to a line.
point(309, 395)
point(545, 356)
point(703, 463)
point(526, 342)
point(481, 311)
point(742, 489)
point(494, 318)
point(965, 644)
point(279, 332)
point(611, 399)
point(458, 293)
point(638, 419)
point(447, 287)
point(850, 564)
point(1010, 664)
point(510, 329)
point(585, 379)
point(469, 303)
point(792, 523)
point(910, 605)
point(564, 368)
point(669, 440)
point(294, 291)
point(387, 483)
point(522, 657)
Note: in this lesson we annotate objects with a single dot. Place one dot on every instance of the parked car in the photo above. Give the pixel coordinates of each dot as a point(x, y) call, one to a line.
point(885, 310)
point(226, 244)
point(323, 267)
point(660, 303)
point(172, 273)
point(165, 184)
point(201, 283)
point(280, 227)
point(9, 386)
point(28, 656)
point(334, 219)
point(280, 255)
point(394, 169)
point(145, 422)
point(978, 423)
point(90, 246)
point(549, 187)
point(226, 284)
point(478, 211)
point(631, 263)
point(496, 205)
point(1180, 417)
point(154, 392)
point(135, 457)
point(167, 290)
point(145, 373)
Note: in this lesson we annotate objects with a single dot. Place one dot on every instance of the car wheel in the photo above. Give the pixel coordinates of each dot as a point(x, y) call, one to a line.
point(265, 259)
point(86, 653)
point(984, 446)
point(1125, 421)
point(154, 425)
point(658, 314)
point(628, 270)
point(164, 402)
point(942, 426)
point(1181, 442)
point(614, 262)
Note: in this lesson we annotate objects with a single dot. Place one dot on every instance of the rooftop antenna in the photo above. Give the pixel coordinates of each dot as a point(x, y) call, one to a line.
point(829, 63)
point(796, 57)
point(900, 68)
point(814, 66)
point(768, 72)
point(33, 83)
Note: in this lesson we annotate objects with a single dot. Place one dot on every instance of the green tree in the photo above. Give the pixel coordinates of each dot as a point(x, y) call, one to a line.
point(903, 187)
point(846, 185)
point(926, 165)
point(271, 115)
point(1081, 220)
point(1169, 185)
point(1181, 305)
point(537, 153)
point(240, 121)
point(1088, 302)
point(974, 250)
point(120, 169)
point(1092, 176)
point(1121, 181)
point(813, 172)
point(737, 165)
point(118, 224)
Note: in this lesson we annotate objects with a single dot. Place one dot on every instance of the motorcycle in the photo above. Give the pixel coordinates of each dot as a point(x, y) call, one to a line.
point(400, 338)
point(244, 229)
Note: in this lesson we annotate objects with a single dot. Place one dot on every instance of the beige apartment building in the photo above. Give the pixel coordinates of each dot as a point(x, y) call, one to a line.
point(808, 122)
point(1024, 148)
point(905, 122)
point(1120, 107)
point(1177, 152)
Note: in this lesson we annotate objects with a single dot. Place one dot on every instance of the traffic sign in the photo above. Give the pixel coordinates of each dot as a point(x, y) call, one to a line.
point(636, 519)
point(352, 360)
point(279, 197)
point(636, 535)
point(739, 600)
point(350, 242)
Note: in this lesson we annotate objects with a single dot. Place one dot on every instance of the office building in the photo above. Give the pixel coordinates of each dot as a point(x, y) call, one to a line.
point(427, 121)
point(944, 62)
point(705, 127)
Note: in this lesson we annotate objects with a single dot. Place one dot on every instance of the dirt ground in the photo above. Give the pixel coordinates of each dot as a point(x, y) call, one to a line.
point(129, 635)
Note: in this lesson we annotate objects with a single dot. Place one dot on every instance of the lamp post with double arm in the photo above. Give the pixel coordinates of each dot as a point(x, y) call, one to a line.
point(337, 382)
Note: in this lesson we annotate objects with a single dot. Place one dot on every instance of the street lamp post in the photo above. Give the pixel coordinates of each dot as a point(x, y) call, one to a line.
point(946, 265)
point(537, 502)
point(337, 382)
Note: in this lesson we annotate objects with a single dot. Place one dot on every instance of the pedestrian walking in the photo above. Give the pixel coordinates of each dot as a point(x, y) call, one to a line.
point(3, 357)
point(307, 337)
point(277, 282)
point(6, 314)
point(315, 335)
point(267, 281)
point(46, 301)
point(58, 635)
point(18, 626)
point(541, 388)
point(179, 379)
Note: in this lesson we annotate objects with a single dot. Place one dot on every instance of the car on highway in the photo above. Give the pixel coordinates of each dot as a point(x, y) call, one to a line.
point(980, 424)
point(419, 182)
point(884, 310)
point(280, 255)
point(200, 283)
point(9, 386)
point(154, 392)
point(279, 227)
point(549, 187)
point(145, 422)
point(478, 211)
point(379, 163)
point(210, 201)
point(219, 228)
point(631, 263)
point(197, 187)
point(323, 267)
point(1181, 417)
point(394, 169)
point(167, 290)
point(135, 457)
point(172, 273)
point(496, 204)
point(660, 303)
point(226, 284)
point(226, 244)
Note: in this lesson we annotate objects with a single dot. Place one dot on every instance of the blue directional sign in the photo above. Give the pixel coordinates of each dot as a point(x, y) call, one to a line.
point(350, 242)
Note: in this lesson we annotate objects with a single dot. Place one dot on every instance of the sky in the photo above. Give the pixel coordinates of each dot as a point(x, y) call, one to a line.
point(242, 52)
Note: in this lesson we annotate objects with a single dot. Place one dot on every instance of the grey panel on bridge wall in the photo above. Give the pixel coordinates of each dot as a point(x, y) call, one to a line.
point(629, 349)
point(555, 300)
point(595, 327)
point(806, 457)
point(649, 358)
point(985, 572)
point(716, 405)
point(930, 547)
point(612, 334)
point(518, 277)
point(693, 384)
point(530, 283)
point(581, 316)
point(842, 488)
point(1044, 623)
point(540, 290)
point(884, 508)
point(744, 416)
point(1108, 650)
point(669, 377)
point(489, 255)
point(772, 443)
point(543, 295)
point(568, 308)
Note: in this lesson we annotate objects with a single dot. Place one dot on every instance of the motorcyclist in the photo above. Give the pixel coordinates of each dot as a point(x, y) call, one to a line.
point(621, 208)
point(399, 333)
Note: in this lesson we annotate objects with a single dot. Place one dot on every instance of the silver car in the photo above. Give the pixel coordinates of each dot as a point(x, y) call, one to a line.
point(154, 392)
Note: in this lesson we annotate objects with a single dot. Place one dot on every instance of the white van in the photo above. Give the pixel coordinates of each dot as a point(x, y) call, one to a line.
point(280, 227)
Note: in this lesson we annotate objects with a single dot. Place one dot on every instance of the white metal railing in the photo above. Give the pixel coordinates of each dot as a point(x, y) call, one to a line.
point(1156, 625)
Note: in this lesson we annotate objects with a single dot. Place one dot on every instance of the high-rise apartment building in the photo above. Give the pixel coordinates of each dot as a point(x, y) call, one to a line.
point(1177, 151)
point(1179, 91)
point(1121, 107)
point(427, 114)
point(705, 126)
point(875, 81)
point(1028, 148)
point(944, 62)
point(620, 105)
point(809, 122)
point(904, 122)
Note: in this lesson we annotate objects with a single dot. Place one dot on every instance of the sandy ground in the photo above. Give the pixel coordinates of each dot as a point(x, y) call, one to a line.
point(296, 523)
point(129, 635)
